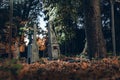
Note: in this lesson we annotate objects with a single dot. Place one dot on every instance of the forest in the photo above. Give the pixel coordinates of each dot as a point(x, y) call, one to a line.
point(59, 40)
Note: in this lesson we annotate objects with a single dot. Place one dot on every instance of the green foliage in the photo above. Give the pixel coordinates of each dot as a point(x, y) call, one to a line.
point(64, 15)
point(109, 53)
point(11, 66)
point(23, 10)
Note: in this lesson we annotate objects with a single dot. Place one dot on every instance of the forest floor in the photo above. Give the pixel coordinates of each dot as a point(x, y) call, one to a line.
point(68, 68)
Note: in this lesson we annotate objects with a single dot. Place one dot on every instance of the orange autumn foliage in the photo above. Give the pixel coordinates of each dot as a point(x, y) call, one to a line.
point(18, 43)
point(84, 65)
point(14, 46)
point(115, 61)
point(41, 44)
point(22, 48)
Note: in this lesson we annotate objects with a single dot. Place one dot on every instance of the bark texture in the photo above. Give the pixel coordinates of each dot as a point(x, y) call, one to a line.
point(93, 28)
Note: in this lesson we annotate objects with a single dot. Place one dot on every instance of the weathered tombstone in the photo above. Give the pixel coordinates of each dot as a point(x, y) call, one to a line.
point(29, 53)
point(35, 48)
point(29, 49)
point(53, 46)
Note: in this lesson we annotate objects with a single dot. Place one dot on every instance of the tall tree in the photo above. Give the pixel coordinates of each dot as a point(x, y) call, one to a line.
point(93, 28)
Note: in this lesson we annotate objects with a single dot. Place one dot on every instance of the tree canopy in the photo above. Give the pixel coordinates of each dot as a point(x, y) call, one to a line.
point(67, 19)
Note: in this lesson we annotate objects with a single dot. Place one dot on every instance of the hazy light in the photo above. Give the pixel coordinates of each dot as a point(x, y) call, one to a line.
point(42, 24)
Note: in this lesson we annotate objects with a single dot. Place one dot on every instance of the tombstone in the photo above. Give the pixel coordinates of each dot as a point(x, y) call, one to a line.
point(29, 53)
point(53, 46)
point(35, 48)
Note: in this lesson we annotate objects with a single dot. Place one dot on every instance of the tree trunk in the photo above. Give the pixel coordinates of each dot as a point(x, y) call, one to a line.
point(93, 28)
point(10, 28)
point(85, 49)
